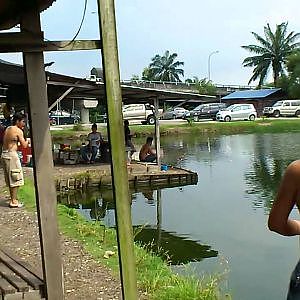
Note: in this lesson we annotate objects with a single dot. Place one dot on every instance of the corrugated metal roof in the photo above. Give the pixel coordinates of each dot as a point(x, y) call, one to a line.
point(251, 94)
point(12, 10)
point(13, 74)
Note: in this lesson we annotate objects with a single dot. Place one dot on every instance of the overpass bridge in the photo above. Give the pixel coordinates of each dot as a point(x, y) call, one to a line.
point(222, 89)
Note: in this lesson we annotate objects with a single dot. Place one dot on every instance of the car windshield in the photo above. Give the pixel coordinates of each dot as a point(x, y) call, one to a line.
point(198, 107)
point(228, 108)
point(278, 103)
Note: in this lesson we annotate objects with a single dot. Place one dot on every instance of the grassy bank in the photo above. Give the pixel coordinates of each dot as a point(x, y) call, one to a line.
point(155, 278)
point(205, 128)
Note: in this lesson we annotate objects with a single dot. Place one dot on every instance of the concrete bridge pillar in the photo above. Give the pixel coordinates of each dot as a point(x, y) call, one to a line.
point(85, 116)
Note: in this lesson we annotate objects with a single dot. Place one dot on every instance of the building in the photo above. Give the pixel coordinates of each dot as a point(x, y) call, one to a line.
point(259, 98)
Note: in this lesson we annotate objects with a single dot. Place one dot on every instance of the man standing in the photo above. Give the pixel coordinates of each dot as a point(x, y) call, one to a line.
point(128, 136)
point(147, 154)
point(11, 162)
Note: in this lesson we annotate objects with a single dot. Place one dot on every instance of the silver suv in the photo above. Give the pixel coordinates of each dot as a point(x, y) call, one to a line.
point(283, 108)
point(237, 112)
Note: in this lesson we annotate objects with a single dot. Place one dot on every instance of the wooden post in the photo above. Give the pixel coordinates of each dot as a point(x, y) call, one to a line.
point(117, 141)
point(157, 132)
point(43, 163)
point(158, 216)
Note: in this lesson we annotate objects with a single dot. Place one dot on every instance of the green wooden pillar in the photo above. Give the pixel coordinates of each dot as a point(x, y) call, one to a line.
point(43, 162)
point(117, 141)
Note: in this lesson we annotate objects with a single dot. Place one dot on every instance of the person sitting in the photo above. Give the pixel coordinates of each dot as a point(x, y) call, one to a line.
point(95, 139)
point(147, 154)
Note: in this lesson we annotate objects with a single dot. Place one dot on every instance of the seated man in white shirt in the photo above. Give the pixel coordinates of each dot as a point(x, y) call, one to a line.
point(94, 139)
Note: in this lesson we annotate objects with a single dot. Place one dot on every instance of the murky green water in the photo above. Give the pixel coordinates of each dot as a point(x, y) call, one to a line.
point(220, 223)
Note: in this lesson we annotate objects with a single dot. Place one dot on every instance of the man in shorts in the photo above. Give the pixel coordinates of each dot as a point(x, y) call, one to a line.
point(147, 154)
point(11, 162)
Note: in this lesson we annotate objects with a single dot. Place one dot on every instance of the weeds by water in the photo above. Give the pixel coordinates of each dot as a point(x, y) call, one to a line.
point(155, 278)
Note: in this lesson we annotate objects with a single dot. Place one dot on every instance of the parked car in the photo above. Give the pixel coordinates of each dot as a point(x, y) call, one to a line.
point(174, 113)
point(237, 112)
point(179, 112)
point(168, 115)
point(142, 112)
point(63, 118)
point(205, 111)
point(283, 108)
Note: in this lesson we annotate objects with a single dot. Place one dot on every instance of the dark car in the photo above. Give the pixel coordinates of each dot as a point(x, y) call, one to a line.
point(63, 118)
point(206, 111)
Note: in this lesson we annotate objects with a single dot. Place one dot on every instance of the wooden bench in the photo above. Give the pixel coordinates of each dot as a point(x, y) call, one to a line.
point(18, 280)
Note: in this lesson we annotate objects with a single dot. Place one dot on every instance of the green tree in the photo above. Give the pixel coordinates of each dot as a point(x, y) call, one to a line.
point(271, 53)
point(290, 83)
point(135, 77)
point(203, 85)
point(293, 66)
point(148, 75)
point(166, 67)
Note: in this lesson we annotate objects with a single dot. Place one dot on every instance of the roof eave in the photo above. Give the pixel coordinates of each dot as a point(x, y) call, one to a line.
point(11, 11)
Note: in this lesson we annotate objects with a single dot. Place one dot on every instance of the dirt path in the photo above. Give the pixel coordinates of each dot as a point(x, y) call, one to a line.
point(83, 277)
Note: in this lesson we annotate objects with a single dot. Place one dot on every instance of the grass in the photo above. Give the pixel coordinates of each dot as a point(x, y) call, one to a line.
point(155, 278)
point(263, 125)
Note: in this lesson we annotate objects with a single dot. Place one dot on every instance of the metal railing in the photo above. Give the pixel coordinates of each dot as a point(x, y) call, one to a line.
point(185, 85)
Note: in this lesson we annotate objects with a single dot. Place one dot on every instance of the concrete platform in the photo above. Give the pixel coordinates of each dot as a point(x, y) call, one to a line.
point(139, 174)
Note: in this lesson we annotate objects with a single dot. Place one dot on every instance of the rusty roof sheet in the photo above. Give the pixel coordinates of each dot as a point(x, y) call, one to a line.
point(12, 10)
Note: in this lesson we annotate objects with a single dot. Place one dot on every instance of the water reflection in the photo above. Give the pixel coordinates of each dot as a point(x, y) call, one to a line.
point(223, 215)
point(266, 169)
point(175, 248)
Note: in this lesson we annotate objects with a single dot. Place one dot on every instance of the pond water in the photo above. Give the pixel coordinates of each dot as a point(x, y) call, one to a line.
point(219, 225)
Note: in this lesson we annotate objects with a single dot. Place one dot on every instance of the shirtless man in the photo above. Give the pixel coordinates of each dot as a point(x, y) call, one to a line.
point(147, 154)
point(279, 221)
point(11, 162)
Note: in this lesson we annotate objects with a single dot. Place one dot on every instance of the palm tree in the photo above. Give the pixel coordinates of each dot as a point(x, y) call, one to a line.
point(271, 53)
point(165, 68)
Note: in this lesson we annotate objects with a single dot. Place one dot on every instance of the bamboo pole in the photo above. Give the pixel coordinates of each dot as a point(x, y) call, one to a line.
point(116, 137)
point(43, 163)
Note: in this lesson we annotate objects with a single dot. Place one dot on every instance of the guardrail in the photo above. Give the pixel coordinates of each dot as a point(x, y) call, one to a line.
point(177, 84)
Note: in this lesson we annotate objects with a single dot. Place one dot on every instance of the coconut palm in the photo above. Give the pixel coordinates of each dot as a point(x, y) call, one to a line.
point(165, 68)
point(272, 52)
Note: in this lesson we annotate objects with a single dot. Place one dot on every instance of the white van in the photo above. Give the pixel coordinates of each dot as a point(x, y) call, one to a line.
point(283, 108)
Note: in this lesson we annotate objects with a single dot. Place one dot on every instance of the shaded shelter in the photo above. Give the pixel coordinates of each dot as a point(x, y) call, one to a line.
point(259, 98)
point(13, 79)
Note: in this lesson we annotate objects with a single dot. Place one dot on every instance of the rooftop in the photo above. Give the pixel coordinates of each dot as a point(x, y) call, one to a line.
point(251, 94)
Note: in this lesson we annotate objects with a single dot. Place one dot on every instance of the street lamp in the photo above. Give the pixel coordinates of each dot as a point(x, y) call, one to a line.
point(209, 56)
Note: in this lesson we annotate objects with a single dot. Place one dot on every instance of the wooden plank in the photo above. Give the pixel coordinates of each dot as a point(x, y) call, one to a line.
point(6, 287)
point(24, 264)
point(43, 163)
point(32, 295)
point(28, 42)
point(13, 278)
point(31, 279)
point(15, 296)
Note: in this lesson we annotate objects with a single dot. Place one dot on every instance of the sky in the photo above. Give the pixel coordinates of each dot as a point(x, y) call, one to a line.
point(193, 29)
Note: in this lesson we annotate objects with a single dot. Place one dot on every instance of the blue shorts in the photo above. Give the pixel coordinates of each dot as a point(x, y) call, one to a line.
point(294, 288)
